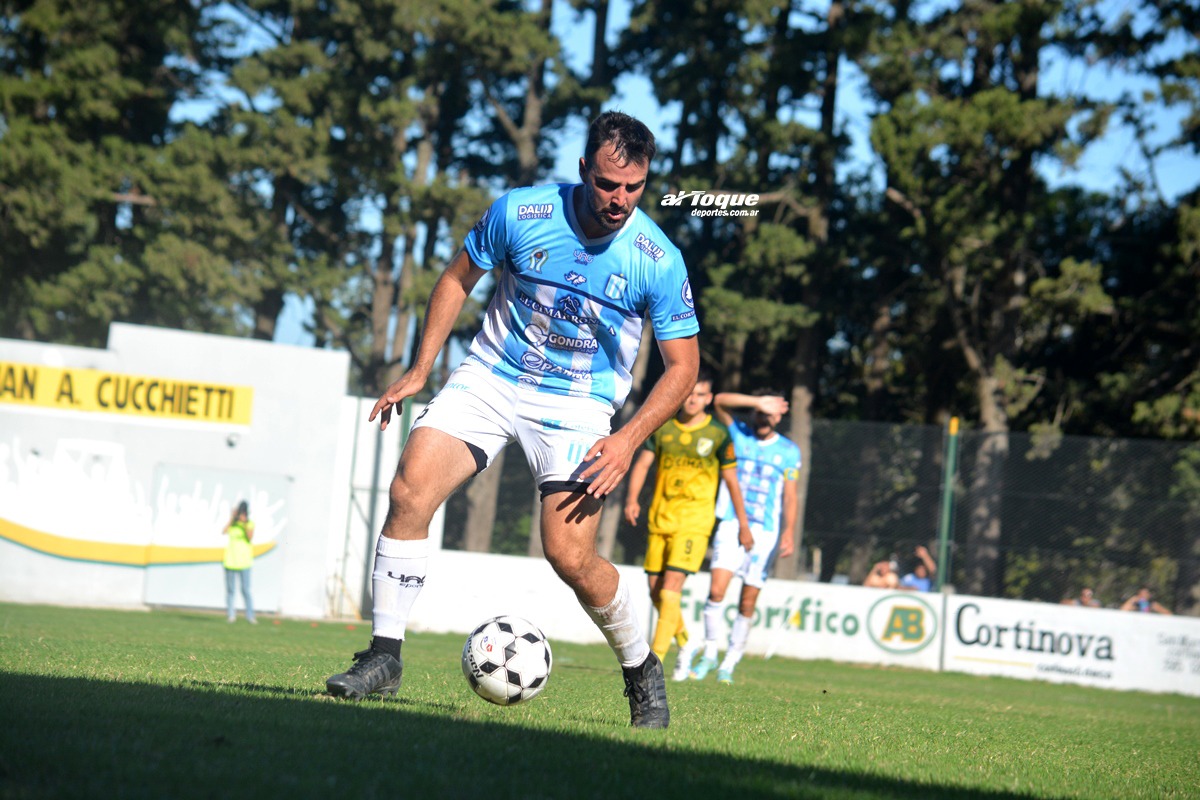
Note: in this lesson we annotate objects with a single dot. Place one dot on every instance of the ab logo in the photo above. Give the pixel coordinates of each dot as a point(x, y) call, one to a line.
point(905, 624)
point(901, 623)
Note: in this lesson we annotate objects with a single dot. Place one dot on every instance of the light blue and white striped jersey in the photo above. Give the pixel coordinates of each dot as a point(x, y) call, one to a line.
point(763, 469)
point(566, 316)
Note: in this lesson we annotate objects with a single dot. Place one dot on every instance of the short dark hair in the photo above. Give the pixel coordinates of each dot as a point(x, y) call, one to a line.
point(631, 140)
point(243, 508)
point(705, 375)
point(766, 391)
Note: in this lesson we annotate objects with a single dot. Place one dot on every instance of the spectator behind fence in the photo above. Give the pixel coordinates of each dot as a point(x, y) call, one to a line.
point(1144, 601)
point(920, 578)
point(1086, 599)
point(883, 575)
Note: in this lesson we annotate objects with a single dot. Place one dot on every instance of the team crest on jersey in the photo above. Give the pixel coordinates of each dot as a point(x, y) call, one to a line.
point(704, 447)
point(573, 277)
point(615, 288)
point(687, 293)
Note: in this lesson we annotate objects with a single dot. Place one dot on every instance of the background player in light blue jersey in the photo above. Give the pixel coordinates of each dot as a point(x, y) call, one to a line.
point(578, 269)
point(768, 474)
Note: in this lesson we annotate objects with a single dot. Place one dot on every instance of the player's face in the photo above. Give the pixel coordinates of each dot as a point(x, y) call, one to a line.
point(764, 424)
point(611, 189)
point(695, 403)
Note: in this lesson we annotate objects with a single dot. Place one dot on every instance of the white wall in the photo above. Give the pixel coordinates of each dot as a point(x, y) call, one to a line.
point(121, 508)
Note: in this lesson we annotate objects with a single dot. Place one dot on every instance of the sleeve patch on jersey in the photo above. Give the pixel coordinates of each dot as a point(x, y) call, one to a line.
point(479, 226)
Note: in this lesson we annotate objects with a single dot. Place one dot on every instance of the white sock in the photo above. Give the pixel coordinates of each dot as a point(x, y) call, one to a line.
point(399, 575)
point(712, 624)
point(737, 642)
point(620, 627)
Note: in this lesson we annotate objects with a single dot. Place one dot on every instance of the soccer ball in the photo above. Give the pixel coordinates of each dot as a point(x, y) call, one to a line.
point(506, 660)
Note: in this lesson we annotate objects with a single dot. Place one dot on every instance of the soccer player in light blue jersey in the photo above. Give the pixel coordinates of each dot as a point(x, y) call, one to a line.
point(768, 474)
point(578, 268)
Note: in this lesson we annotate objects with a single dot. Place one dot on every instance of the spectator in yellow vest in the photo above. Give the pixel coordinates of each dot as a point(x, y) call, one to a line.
point(239, 556)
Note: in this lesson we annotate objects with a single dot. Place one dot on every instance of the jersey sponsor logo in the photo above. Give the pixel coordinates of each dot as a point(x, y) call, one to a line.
point(542, 337)
point(408, 580)
point(671, 462)
point(554, 313)
point(687, 293)
point(535, 211)
point(575, 344)
point(456, 386)
point(704, 446)
point(583, 257)
point(647, 246)
point(539, 363)
point(536, 334)
point(615, 288)
point(572, 425)
point(569, 304)
point(573, 277)
point(684, 315)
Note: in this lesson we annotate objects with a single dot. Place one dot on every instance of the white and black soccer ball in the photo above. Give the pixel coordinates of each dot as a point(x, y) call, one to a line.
point(506, 660)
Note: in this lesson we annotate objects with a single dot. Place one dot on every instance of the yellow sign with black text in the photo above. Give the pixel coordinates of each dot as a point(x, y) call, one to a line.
point(79, 389)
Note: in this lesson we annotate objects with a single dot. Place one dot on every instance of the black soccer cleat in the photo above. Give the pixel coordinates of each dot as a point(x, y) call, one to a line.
point(646, 688)
point(372, 671)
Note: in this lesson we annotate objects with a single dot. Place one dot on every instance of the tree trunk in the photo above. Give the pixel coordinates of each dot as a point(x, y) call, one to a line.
point(800, 432)
point(614, 504)
point(266, 314)
point(482, 492)
point(984, 567)
point(536, 549)
point(733, 358)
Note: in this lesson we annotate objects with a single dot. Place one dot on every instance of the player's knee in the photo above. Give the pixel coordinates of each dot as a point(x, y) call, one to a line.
point(406, 508)
point(570, 565)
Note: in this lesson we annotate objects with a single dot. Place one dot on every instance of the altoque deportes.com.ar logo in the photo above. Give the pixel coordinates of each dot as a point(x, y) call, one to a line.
point(704, 203)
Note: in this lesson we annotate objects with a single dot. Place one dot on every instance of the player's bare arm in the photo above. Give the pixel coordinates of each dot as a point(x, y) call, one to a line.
point(791, 506)
point(726, 402)
point(637, 479)
point(445, 303)
point(612, 455)
point(745, 536)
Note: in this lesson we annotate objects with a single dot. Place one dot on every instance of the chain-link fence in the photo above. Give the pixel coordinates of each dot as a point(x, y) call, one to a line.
point(1030, 517)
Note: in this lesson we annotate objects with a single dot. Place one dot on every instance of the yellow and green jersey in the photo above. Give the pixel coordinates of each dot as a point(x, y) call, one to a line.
point(689, 460)
point(239, 554)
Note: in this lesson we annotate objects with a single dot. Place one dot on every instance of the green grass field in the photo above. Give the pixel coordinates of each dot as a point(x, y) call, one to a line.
point(172, 704)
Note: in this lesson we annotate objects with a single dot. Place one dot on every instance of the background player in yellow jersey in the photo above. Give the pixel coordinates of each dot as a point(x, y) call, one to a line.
point(693, 453)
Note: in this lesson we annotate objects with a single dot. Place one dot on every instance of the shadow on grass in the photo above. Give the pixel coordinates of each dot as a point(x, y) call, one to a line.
point(69, 737)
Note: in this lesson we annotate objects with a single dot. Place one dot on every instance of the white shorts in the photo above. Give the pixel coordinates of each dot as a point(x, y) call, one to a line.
point(489, 412)
point(728, 553)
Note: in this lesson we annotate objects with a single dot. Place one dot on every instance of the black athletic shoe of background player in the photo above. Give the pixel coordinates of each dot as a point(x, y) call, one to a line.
point(646, 688)
point(373, 671)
